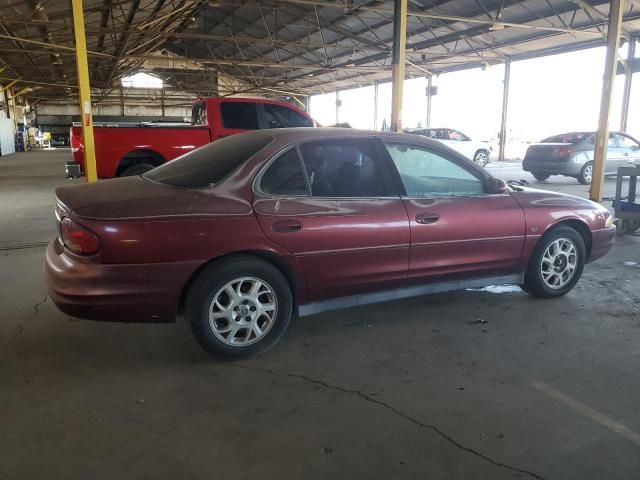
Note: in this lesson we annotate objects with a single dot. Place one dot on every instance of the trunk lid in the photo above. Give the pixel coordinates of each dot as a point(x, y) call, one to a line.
point(135, 197)
point(549, 151)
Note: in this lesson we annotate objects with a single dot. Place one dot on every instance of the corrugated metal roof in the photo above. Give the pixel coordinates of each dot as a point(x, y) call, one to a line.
point(280, 47)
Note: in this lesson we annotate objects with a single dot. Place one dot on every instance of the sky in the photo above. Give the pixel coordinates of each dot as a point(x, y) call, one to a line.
point(548, 95)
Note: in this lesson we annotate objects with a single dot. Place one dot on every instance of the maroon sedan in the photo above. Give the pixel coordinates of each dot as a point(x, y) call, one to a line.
point(242, 233)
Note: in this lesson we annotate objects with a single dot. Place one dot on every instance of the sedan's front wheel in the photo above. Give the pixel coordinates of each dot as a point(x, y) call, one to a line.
point(556, 263)
point(239, 306)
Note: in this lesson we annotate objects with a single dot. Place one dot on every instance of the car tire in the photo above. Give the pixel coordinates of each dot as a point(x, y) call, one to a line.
point(137, 169)
point(549, 273)
point(540, 176)
point(231, 320)
point(481, 158)
point(586, 174)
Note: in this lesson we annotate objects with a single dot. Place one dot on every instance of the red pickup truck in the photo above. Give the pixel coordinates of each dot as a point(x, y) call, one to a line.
point(124, 149)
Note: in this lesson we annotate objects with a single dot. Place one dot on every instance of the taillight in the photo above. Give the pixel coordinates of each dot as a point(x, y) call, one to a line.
point(562, 151)
point(77, 238)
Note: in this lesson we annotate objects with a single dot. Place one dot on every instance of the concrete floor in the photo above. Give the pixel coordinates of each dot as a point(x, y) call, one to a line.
point(468, 385)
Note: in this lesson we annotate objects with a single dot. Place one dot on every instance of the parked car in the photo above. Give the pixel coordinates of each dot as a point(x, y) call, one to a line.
point(124, 149)
point(571, 155)
point(478, 151)
point(243, 233)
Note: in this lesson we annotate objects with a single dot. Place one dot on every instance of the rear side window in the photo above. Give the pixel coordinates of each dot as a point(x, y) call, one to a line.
point(242, 115)
point(278, 116)
point(211, 163)
point(198, 114)
point(343, 168)
point(285, 176)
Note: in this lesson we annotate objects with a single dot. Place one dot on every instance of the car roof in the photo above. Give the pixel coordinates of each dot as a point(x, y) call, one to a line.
point(306, 133)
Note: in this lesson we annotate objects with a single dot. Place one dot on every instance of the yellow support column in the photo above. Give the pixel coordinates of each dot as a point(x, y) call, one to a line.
point(616, 12)
point(398, 59)
point(84, 91)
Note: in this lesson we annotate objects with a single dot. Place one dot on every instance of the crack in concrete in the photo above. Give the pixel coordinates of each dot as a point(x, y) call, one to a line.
point(34, 313)
point(392, 409)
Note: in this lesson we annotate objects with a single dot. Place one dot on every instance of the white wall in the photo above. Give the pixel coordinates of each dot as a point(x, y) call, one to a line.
point(7, 136)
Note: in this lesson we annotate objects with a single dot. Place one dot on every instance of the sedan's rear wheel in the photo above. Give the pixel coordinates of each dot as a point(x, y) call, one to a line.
point(556, 263)
point(239, 307)
point(540, 176)
point(586, 174)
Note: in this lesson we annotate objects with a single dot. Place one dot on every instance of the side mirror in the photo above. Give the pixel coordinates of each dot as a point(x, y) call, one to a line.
point(497, 186)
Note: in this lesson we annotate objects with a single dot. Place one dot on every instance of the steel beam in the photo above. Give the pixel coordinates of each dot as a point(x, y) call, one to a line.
point(628, 77)
point(429, 88)
point(616, 11)
point(505, 108)
point(375, 105)
point(397, 62)
point(9, 85)
point(84, 89)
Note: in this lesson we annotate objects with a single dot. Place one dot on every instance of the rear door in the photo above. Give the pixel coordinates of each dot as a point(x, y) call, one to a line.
point(237, 117)
point(615, 155)
point(330, 204)
point(456, 227)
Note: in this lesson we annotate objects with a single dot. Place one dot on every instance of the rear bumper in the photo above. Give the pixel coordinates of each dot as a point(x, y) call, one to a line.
point(72, 169)
point(117, 293)
point(552, 167)
point(602, 242)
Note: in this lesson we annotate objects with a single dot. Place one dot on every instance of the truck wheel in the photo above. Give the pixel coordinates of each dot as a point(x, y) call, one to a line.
point(540, 176)
point(239, 306)
point(137, 169)
point(586, 174)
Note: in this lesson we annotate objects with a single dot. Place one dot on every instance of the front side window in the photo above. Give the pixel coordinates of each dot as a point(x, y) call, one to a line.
point(627, 142)
point(425, 173)
point(285, 176)
point(343, 168)
point(241, 115)
point(278, 116)
point(211, 163)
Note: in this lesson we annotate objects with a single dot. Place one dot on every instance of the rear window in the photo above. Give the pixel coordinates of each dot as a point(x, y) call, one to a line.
point(241, 115)
point(210, 163)
point(566, 138)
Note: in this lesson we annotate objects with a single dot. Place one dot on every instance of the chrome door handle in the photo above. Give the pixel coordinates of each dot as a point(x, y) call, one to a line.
point(286, 226)
point(427, 218)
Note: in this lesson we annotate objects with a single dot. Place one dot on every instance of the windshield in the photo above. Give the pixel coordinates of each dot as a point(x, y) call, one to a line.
point(210, 163)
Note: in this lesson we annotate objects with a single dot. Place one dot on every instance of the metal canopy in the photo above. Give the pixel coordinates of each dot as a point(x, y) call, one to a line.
point(277, 47)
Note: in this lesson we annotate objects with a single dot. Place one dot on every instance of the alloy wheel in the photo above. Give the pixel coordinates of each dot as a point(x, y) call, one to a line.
point(559, 263)
point(243, 311)
point(481, 159)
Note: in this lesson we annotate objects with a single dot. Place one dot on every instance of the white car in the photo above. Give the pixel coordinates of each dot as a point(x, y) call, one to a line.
point(479, 152)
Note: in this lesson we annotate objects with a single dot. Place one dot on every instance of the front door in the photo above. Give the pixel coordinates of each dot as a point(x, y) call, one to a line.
point(630, 148)
point(456, 227)
point(330, 204)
